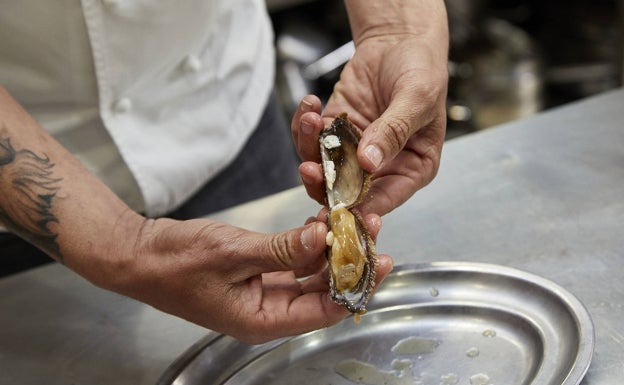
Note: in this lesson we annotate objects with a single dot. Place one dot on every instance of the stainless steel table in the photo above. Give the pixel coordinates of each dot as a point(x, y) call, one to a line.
point(545, 195)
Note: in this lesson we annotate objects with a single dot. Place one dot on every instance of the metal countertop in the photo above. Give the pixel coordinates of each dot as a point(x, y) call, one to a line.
point(545, 195)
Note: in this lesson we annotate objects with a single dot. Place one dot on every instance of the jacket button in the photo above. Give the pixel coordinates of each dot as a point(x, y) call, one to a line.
point(191, 64)
point(122, 105)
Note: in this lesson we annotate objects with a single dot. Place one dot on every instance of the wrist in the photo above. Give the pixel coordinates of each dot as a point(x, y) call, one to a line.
point(108, 258)
point(393, 20)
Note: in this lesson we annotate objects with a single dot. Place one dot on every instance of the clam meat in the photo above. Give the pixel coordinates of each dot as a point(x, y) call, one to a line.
point(350, 248)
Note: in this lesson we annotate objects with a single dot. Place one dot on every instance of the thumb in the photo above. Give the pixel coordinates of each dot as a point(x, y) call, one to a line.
point(292, 249)
point(387, 135)
point(382, 141)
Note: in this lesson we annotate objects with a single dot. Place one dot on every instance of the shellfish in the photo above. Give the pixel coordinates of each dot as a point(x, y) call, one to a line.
point(350, 247)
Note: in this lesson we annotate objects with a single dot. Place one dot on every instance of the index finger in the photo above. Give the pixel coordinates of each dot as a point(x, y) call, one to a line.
point(305, 127)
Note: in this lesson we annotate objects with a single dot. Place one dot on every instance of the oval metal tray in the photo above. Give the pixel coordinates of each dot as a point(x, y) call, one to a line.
point(441, 323)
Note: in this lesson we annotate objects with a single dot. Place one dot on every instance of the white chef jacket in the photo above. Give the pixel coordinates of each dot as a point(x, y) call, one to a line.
point(154, 96)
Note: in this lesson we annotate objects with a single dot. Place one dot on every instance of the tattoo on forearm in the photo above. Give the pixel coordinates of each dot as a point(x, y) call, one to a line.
point(28, 179)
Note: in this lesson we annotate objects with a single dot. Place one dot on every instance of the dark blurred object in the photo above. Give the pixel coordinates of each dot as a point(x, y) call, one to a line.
point(508, 58)
point(277, 5)
point(581, 41)
point(582, 45)
point(495, 77)
point(313, 42)
point(18, 255)
point(511, 59)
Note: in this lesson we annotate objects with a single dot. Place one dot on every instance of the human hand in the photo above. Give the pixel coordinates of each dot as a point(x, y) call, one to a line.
point(394, 89)
point(245, 284)
point(241, 283)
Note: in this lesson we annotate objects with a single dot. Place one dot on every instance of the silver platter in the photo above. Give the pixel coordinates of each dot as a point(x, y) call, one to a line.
point(441, 323)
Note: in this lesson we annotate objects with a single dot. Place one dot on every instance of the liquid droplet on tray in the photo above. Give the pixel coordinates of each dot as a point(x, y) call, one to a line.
point(480, 379)
point(398, 364)
point(489, 333)
point(449, 379)
point(365, 373)
point(414, 345)
point(472, 352)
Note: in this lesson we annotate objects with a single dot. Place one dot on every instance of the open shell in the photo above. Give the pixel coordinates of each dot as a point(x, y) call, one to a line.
point(351, 250)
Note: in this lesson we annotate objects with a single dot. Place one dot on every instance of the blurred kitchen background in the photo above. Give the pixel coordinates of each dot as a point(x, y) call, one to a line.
point(508, 59)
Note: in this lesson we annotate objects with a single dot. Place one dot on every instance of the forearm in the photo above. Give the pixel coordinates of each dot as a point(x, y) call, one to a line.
point(383, 18)
point(48, 198)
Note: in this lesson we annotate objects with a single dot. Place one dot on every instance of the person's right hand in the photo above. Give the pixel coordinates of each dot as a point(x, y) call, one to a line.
point(394, 91)
point(241, 283)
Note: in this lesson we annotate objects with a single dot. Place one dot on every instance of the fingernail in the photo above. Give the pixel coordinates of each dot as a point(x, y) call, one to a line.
point(306, 127)
point(306, 105)
point(373, 154)
point(308, 237)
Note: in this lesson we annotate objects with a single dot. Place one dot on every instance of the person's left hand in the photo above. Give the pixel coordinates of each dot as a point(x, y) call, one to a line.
point(394, 89)
point(252, 286)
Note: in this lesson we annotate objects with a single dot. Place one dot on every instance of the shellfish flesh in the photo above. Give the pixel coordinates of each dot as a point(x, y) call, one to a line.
point(351, 250)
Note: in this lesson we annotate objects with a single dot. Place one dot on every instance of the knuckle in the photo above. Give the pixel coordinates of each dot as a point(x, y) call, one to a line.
point(215, 235)
point(397, 133)
point(280, 247)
